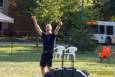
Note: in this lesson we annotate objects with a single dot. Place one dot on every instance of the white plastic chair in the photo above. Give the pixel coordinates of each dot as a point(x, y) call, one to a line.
point(71, 51)
point(59, 51)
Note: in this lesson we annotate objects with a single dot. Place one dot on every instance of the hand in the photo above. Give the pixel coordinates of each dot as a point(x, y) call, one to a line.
point(60, 23)
point(33, 17)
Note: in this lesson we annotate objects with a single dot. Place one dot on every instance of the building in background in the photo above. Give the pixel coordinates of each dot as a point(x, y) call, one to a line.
point(22, 25)
point(3, 9)
point(4, 18)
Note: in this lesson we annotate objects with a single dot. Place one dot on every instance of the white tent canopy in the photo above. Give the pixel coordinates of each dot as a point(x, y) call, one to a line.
point(5, 18)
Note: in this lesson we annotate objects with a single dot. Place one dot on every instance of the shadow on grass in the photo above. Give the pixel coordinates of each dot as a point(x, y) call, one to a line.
point(20, 57)
point(20, 54)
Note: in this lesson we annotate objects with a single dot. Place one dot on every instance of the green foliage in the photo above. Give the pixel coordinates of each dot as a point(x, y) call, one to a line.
point(97, 6)
point(82, 40)
point(48, 11)
point(109, 9)
point(105, 9)
point(22, 7)
point(71, 15)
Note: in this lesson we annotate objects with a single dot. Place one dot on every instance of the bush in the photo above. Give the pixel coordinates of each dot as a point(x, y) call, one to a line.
point(82, 40)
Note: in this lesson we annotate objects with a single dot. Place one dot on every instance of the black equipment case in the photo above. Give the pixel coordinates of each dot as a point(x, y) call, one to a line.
point(66, 72)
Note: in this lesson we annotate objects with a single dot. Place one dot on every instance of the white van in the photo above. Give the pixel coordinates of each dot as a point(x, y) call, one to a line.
point(105, 32)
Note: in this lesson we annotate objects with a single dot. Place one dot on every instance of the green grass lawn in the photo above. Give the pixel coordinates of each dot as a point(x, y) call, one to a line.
point(23, 61)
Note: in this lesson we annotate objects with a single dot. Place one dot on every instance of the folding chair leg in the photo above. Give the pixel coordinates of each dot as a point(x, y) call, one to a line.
point(60, 56)
point(74, 57)
point(68, 57)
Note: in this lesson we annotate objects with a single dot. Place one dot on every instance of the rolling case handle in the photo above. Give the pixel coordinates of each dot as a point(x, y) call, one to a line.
point(72, 61)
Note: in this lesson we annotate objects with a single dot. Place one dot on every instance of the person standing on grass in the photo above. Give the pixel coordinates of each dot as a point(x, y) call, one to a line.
point(48, 44)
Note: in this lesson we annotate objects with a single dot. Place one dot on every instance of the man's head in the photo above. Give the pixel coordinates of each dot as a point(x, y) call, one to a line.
point(48, 28)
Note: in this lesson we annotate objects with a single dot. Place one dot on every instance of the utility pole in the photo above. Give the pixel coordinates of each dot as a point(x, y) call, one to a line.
point(82, 15)
point(82, 11)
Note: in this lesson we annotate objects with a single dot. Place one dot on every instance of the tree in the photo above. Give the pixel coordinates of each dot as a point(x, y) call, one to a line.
point(48, 11)
point(21, 7)
point(109, 9)
point(82, 40)
point(105, 9)
point(71, 15)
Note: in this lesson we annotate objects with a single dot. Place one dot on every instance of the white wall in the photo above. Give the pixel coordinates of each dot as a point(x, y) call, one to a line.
point(4, 9)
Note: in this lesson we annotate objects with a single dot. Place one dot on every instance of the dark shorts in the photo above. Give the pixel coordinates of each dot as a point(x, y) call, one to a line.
point(46, 59)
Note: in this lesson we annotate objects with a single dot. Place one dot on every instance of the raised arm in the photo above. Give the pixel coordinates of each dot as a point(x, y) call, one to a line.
point(37, 27)
point(57, 28)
